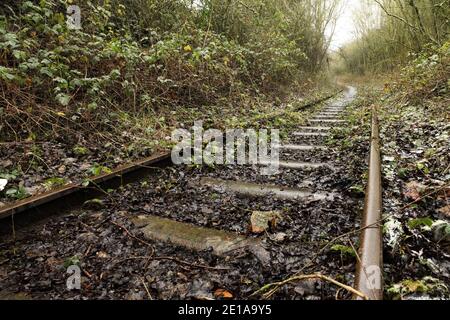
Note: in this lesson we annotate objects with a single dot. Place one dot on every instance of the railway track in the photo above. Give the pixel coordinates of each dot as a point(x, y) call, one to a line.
point(194, 232)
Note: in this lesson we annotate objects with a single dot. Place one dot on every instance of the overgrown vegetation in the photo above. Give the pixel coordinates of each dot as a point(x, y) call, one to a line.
point(413, 106)
point(140, 56)
point(392, 32)
point(136, 70)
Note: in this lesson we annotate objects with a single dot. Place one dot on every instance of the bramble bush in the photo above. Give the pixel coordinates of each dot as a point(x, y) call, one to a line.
point(131, 58)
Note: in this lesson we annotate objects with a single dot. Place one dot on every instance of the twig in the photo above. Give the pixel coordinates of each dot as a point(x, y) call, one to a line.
point(446, 169)
point(8, 143)
point(87, 273)
point(133, 236)
point(146, 288)
point(322, 277)
point(340, 237)
point(425, 196)
point(4, 261)
point(360, 262)
point(301, 277)
point(188, 263)
point(366, 227)
point(200, 266)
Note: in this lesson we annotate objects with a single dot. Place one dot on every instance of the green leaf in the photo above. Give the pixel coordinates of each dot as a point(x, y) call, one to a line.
point(71, 261)
point(11, 192)
point(54, 182)
point(80, 150)
point(402, 172)
point(92, 106)
point(46, 71)
point(63, 99)
point(98, 169)
point(9, 176)
point(419, 222)
point(344, 250)
point(17, 193)
point(359, 189)
point(115, 73)
point(6, 73)
point(19, 54)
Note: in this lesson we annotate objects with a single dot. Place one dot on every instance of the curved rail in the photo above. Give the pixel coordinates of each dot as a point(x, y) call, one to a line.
point(369, 270)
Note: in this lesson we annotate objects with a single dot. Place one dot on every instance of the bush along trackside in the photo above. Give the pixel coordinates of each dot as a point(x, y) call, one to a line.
point(76, 103)
point(413, 112)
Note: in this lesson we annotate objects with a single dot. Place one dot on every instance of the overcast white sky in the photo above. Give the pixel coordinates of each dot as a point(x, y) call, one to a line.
point(345, 29)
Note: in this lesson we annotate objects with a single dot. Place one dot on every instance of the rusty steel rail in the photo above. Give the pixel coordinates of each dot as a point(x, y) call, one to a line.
point(69, 196)
point(369, 270)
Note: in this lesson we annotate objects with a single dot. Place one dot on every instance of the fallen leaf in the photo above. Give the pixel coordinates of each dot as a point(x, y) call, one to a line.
point(445, 211)
point(279, 237)
point(102, 255)
point(62, 169)
point(413, 190)
point(415, 286)
point(261, 220)
point(53, 262)
point(444, 194)
point(223, 294)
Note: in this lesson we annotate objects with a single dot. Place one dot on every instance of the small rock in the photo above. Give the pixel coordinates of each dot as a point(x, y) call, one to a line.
point(261, 254)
